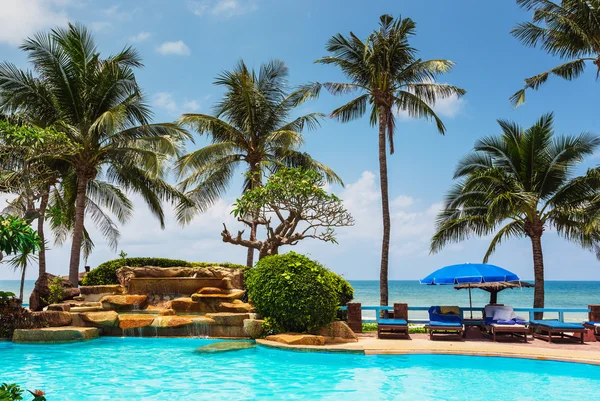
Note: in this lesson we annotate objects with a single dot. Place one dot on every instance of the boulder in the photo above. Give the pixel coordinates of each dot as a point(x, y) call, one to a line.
point(225, 346)
point(217, 331)
point(59, 307)
point(123, 302)
point(55, 334)
point(297, 339)
point(210, 290)
point(54, 318)
point(95, 293)
point(253, 327)
point(239, 307)
point(225, 295)
point(186, 305)
point(41, 291)
point(135, 321)
point(171, 321)
point(228, 319)
point(101, 319)
point(338, 332)
point(232, 277)
point(166, 312)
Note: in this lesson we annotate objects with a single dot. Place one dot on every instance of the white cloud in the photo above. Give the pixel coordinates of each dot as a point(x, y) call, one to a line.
point(222, 8)
point(140, 37)
point(177, 48)
point(21, 19)
point(166, 101)
point(115, 12)
point(99, 26)
point(412, 224)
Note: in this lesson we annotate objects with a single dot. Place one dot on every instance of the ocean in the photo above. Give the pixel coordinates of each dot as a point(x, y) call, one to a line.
point(559, 294)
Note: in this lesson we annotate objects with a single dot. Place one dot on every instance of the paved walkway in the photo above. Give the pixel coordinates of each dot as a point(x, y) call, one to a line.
point(420, 344)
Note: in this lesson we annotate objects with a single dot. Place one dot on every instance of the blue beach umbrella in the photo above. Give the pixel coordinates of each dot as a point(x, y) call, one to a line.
point(469, 273)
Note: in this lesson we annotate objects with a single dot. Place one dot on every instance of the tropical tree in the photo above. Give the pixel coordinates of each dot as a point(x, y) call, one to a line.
point(520, 184)
point(97, 103)
point(18, 238)
point(292, 206)
point(386, 71)
point(252, 126)
point(28, 170)
point(569, 29)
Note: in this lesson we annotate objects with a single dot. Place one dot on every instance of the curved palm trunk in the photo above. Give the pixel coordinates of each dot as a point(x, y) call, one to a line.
point(78, 230)
point(385, 206)
point(40, 230)
point(538, 271)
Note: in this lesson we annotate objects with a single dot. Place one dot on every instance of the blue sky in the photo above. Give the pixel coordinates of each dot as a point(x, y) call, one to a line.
point(185, 44)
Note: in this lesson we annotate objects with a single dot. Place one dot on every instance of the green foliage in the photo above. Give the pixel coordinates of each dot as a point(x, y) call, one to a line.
point(106, 273)
point(5, 296)
point(56, 291)
point(16, 236)
point(12, 392)
point(568, 29)
point(293, 292)
point(412, 329)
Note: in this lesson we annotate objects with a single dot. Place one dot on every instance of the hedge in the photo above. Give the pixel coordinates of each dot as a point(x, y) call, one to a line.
point(295, 293)
point(106, 273)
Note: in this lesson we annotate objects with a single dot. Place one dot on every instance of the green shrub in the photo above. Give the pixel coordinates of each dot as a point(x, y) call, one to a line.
point(56, 291)
point(106, 273)
point(294, 292)
point(12, 392)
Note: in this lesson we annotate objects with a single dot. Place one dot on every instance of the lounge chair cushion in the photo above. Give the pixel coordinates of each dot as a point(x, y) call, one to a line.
point(556, 324)
point(392, 322)
point(434, 323)
point(506, 325)
point(597, 324)
point(500, 312)
point(435, 315)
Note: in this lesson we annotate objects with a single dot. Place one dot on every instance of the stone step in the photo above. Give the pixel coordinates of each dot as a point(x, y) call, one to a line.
point(86, 309)
point(55, 334)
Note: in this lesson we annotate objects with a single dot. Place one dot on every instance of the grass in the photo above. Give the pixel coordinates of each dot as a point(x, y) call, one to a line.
point(412, 329)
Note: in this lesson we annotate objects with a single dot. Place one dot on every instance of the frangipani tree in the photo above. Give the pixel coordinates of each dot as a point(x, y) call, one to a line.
point(253, 127)
point(569, 29)
point(520, 184)
point(291, 206)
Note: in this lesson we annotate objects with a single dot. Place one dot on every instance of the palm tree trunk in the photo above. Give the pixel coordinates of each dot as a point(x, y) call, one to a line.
point(385, 206)
point(40, 230)
point(24, 269)
point(78, 230)
point(256, 182)
point(538, 271)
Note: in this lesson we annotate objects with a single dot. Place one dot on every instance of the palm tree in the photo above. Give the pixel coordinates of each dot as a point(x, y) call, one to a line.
point(390, 77)
point(522, 184)
point(569, 30)
point(99, 106)
point(251, 127)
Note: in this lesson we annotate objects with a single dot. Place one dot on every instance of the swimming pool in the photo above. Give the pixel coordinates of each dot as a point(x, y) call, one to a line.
point(113, 368)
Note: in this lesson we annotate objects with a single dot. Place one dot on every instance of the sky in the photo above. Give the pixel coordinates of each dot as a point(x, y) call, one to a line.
point(186, 44)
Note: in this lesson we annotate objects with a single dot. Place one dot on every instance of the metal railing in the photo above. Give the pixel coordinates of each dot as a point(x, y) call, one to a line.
point(463, 310)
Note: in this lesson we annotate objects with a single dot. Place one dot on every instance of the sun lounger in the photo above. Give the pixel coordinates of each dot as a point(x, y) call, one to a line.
point(594, 326)
point(500, 319)
point(445, 320)
point(547, 329)
point(396, 326)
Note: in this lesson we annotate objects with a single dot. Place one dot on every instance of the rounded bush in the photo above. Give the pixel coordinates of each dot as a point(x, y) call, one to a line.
point(106, 273)
point(294, 292)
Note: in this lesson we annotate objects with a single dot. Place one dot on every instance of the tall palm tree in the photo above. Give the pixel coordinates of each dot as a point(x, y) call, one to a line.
point(252, 126)
point(97, 103)
point(569, 29)
point(386, 71)
point(520, 184)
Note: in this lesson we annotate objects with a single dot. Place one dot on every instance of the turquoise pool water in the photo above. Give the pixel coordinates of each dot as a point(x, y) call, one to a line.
point(169, 369)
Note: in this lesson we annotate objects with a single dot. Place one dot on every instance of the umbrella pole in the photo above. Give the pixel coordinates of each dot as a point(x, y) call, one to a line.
point(470, 302)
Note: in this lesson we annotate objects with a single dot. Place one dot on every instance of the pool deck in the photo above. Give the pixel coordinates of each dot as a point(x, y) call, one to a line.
point(420, 344)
